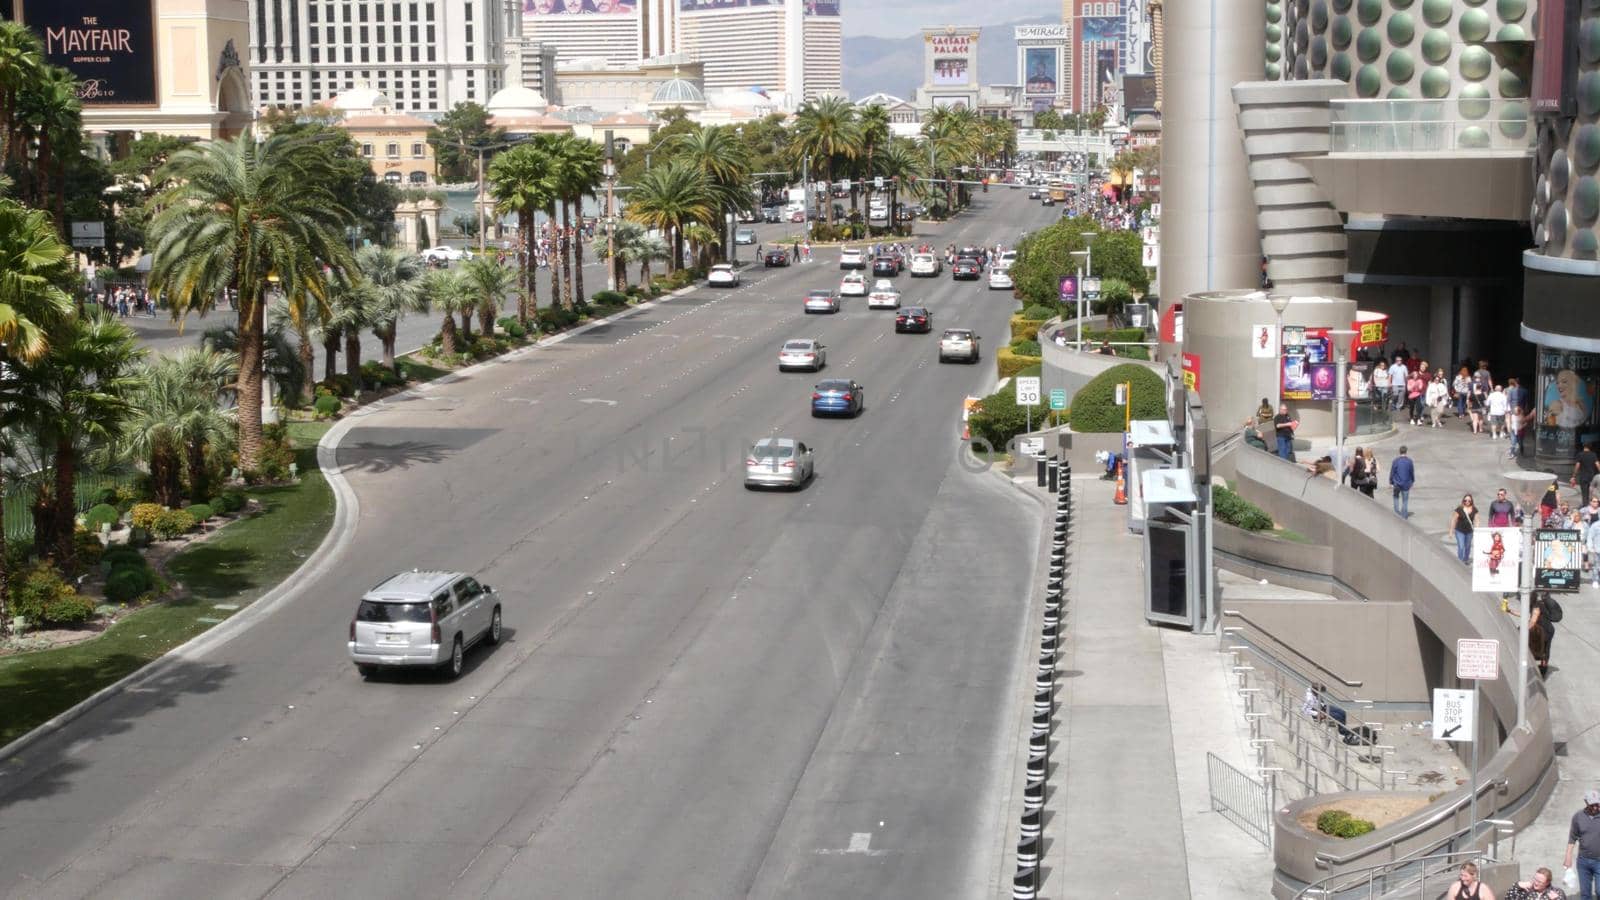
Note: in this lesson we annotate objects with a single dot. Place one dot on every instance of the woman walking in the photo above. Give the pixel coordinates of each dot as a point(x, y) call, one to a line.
point(1475, 404)
point(1438, 400)
point(1461, 387)
point(1462, 521)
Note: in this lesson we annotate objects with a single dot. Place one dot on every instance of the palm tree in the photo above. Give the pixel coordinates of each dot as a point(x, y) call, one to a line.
point(394, 278)
point(644, 248)
point(873, 123)
point(487, 283)
point(521, 181)
point(353, 306)
point(283, 360)
point(579, 164)
point(445, 291)
point(304, 316)
point(669, 197)
point(237, 212)
point(703, 242)
point(81, 392)
point(52, 121)
point(179, 416)
point(21, 59)
point(623, 235)
point(905, 166)
point(724, 160)
point(825, 129)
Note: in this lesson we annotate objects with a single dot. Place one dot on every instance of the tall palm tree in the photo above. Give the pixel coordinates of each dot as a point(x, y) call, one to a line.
point(82, 390)
point(579, 165)
point(34, 264)
point(873, 123)
point(237, 212)
point(521, 181)
point(288, 365)
point(21, 59)
point(825, 130)
point(394, 278)
point(352, 306)
point(644, 248)
point(724, 160)
point(445, 291)
point(906, 167)
point(668, 198)
point(52, 123)
point(487, 282)
point(623, 235)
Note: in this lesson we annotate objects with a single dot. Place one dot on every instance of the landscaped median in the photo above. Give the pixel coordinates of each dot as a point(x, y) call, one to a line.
point(209, 578)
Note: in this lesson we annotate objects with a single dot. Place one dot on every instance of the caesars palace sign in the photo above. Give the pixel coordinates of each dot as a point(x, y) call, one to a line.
point(953, 44)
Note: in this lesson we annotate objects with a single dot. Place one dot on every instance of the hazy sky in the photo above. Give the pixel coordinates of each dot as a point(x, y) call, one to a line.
point(898, 18)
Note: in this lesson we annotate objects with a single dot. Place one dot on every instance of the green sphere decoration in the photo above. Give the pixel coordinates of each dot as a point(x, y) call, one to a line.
point(1475, 63)
point(1586, 201)
point(1274, 13)
point(1473, 138)
point(1400, 4)
point(1369, 11)
point(1584, 244)
point(1339, 67)
point(1511, 33)
point(1589, 93)
point(1369, 44)
point(1473, 101)
point(1402, 28)
point(1589, 41)
point(1436, 46)
point(1511, 10)
point(1368, 81)
point(1319, 17)
point(1341, 33)
point(1273, 72)
point(1341, 6)
point(1514, 120)
point(1586, 148)
point(1319, 52)
point(1512, 85)
point(1399, 93)
point(1474, 26)
point(1437, 12)
point(1436, 83)
point(1274, 53)
point(1401, 67)
point(1274, 34)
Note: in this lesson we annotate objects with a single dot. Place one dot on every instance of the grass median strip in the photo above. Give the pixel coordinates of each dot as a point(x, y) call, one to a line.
point(233, 568)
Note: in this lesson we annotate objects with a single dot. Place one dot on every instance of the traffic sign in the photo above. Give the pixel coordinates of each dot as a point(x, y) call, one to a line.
point(1477, 659)
point(1028, 390)
point(877, 182)
point(1058, 398)
point(88, 234)
point(1453, 715)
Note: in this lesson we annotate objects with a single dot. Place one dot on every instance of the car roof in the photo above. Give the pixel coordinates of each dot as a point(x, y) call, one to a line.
point(834, 383)
point(411, 586)
point(807, 341)
point(855, 276)
point(776, 442)
point(957, 332)
point(819, 292)
point(723, 266)
point(912, 310)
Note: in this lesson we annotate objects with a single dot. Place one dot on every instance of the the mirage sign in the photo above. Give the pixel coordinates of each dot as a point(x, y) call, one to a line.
point(108, 44)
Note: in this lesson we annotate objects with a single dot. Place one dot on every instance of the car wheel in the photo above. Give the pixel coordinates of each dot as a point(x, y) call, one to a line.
point(494, 627)
point(815, 414)
point(366, 670)
point(458, 658)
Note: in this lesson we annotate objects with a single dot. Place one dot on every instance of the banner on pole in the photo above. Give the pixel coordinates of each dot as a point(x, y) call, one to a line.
point(1496, 559)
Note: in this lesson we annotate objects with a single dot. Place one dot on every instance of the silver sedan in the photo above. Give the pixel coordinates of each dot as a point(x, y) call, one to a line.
point(778, 462)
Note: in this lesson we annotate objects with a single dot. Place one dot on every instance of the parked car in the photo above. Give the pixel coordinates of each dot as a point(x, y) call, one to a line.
point(778, 462)
point(744, 236)
point(958, 343)
point(838, 397)
point(749, 216)
point(423, 618)
point(926, 265)
point(966, 269)
point(852, 258)
point(723, 275)
point(1000, 279)
point(772, 214)
point(853, 285)
point(883, 296)
point(777, 256)
point(822, 302)
point(802, 353)
point(914, 319)
point(798, 215)
point(445, 254)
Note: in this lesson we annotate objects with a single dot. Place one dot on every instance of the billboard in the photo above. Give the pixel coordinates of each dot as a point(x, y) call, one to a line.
point(1140, 56)
point(1040, 33)
point(1107, 63)
point(577, 7)
point(1101, 30)
point(1041, 70)
point(822, 7)
point(108, 45)
point(949, 71)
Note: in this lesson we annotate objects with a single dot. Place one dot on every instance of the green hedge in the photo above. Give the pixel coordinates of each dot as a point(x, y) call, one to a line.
point(101, 514)
point(43, 597)
point(609, 298)
point(172, 523)
point(327, 406)
point(1040, 312)
point(200, 511)
point(1094, 408)
point(1009, 363)
point(1024, 328)
point(999, 418)
point(1237, 511)
point(1025, 347)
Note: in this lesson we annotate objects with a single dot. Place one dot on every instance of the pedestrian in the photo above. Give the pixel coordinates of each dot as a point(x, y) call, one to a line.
point(1416, 385)
point(1541, 630)
point(1515, 422)
point(1252, 434)
point(1540, 887)
point(1437, 399)
point(1591, 544)
point(1380, 385)
point(1502, 512)
point(1477, 401)
point(1583, 845)
point(1517, 395)
point(1371, 461)
point(1398, 374)
point(1460, 388)
point(1468, 887)
point(1548, 503)
point(1284, 425)
point(1264, 411)
point(1402, 475)
point(1495, 405)
point(1462, 520)
point(1585, 469)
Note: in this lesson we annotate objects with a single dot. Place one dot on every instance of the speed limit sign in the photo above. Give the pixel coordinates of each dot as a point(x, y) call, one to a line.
point(1028, 391)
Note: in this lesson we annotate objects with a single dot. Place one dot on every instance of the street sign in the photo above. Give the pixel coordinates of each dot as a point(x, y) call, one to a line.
point(1091, 289)
point(1477, 659)
point(1058, 398)
point(88, 234)
point(1453, 715)
point(877, 183)
point(1028, 390)
point(1150, 255)
point(1031, 446)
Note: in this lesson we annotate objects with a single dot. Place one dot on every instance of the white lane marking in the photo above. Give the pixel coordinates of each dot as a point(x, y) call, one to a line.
point(598, 400)
point(528, 400)
point(860, 845)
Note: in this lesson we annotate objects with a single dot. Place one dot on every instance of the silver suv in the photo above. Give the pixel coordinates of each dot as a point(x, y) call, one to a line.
point(958, 343)
point(420, 618)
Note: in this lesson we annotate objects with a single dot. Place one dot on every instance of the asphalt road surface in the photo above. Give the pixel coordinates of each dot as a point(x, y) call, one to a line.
point(704, 691)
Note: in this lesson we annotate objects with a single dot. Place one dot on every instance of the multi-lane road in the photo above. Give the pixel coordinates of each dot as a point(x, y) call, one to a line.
point(705, 691)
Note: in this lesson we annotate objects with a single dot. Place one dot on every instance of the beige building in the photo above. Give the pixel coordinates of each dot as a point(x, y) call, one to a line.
point(395, 144)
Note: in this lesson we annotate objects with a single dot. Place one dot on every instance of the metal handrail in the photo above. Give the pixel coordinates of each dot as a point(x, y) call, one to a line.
point(1316, 888)
point(1288, 708)
point(1324, 860)
point(1235, 614)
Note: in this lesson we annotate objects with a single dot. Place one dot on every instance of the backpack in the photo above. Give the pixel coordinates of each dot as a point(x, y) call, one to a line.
point(1553, 608)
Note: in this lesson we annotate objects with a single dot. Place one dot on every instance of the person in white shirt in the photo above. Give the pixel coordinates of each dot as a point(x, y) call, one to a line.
point(1397, 380)
point(1380, 385)
point(1497, 410)
point(1437, 399)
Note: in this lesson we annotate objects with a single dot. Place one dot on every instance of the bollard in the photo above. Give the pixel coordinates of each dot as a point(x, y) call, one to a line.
point(1041, 724)
point(1050, 630)
point(1026, 884)
point(1063, 515)
point(1048, 645)
point(1045, 679)
point(1052, 616)
point(1033, 795)
point(1039, 743)
point(1043, 701)
point(1036, 765)
point(1056, 583)
point(1040, 474)
point(1047, 663)
point(1054, 476)
point(1030, 824)
point(1027, 852)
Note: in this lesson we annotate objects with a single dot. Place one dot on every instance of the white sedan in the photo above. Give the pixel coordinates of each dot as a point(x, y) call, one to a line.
point(853, 285)
point(445, 254)
point(883, 295)
point(1000, 279)
point(723, 275)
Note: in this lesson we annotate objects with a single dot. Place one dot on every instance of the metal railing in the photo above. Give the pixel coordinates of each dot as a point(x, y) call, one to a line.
point(1327, 860)
point(1429, 126)
point(1240, 799)
point(1335, 676)
point(1397, 878)
point(16, 512)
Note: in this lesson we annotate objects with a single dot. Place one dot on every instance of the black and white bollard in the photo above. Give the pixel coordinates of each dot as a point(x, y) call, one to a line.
point(1043, 701)
point(1031, 825)
point(1026, 884)
point(1041, 724)
point(1033, 795)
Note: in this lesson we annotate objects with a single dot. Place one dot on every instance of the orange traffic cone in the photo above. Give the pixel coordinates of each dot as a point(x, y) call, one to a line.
point(1121, 499)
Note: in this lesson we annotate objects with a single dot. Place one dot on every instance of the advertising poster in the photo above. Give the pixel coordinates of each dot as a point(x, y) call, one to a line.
point(1069, 289)
point(1358, 380)
point(608, 7)
point(1139, 49)
point(1101, 30)
point(1041, 68)
point(1107, 63)
point(949, 71)
point(1296, 373)
point(1191, 372)
point(818, 7)
point(1496, 559)
point(1566, 396)
point(1323, 377)
point(1557, 559)
point(1263, 343)
point(109, 45)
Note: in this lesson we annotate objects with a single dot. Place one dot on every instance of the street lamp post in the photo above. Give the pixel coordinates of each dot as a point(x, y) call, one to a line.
point(1528, 487)
point(1280, 302)
point(1080, 254)
point(610, 171)
point(1342, 339)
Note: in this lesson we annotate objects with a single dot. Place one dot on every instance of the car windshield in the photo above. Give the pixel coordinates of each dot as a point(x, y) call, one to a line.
point(772, 451)
point(957, 335)
point(392, 611)
point(834, 386)
point(819, 295)
point(797, 345)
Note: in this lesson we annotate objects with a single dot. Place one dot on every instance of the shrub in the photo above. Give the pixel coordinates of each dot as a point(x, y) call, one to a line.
point(127, 584)
point(138, 536)
point(143, 515)
point(172, 523)
point(552, 319)
point(1025, 329)
point(276, 454)
point(1039, 312)
point(131, 493)
point(1094, 408)
point(1237, 511)
point(117, 556)
point(376, 376)
point(609, 298)
point(41, 595)
point(99, 515)
point(1009, 363)
point(1000, 419)
point(1340, 824)
point(339, 385)
point(327, 406)
point(200, 511)
point(233, 501)
point(1025, 347)
point(512, 327)
point(87, 549)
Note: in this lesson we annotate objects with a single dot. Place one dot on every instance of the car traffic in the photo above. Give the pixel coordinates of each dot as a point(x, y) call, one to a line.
point(838, 397)
point(958, 343)
point(853, 285)
point(966, 268)
point(883, 296)
point(822, 302)
point(778, 462)
point(916, 319)
point(777, 256)
point(802, 353)
point(723, 275)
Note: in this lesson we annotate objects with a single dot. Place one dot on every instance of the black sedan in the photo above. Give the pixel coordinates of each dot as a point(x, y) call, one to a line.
point(913, 318)
point(888, 266)
point(966, 269)
point(777, 256)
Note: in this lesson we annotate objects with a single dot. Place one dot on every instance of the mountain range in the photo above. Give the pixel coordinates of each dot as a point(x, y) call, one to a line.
point(894, 65)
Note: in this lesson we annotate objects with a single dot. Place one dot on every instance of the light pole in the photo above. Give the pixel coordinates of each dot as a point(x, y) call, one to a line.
point(1528, 487)
point(610, 171)
point(1280, 302)
point(1080, 254)
point(1342, 339)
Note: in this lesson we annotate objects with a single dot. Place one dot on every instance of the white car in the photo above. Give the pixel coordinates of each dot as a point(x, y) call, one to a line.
point(744, 236)
point(445, 254)
point(925, 265)
point(1005, 259)
point(821, 302)
point(723, 275)
point(883, 295)
point(852, 258)
point(853, 285)
point(802, 353)
point(1000, 279)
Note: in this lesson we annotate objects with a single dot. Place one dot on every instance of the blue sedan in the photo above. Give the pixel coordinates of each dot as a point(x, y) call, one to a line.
point(838, 397)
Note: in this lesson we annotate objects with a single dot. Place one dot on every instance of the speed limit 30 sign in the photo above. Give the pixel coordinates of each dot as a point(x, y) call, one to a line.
point(1028, 390)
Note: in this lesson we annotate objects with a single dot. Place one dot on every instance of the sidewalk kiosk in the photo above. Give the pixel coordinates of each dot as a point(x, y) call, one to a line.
point(1150, 444)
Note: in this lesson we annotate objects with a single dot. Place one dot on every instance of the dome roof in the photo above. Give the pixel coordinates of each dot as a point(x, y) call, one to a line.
point(517, 100)
point(362, 99)
point(678, 92)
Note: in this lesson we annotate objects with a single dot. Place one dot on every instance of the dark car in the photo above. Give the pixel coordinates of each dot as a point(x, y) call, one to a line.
point(777, 256)
point(966, 269)
point(1033, 195)
point(1048, 201)
point(770, 214)
point(838, 397)
point(886, 265)
point(913, 318)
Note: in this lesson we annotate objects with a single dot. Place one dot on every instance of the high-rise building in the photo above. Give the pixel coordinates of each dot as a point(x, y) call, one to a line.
point(949, 67)
point(1044, 64)
point(619, 32)
point(425, 55)
point(795, 48)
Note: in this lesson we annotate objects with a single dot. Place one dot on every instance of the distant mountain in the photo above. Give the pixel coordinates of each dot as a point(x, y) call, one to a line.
point(894, 65)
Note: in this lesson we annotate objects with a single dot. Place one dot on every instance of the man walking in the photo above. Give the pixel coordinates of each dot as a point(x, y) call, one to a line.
point(1402, 475)
point(1585, 469)
point(1397, 382)
point(1284, 425)
point(1583, 839)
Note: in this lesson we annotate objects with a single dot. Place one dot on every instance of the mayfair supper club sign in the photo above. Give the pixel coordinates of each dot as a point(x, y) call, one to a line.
point(108, 44)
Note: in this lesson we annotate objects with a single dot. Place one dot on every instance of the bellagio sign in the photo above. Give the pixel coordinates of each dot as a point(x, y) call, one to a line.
point(108, 44)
